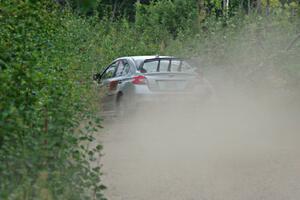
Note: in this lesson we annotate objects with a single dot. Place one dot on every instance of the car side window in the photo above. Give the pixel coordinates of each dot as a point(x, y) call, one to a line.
point(150, 66)
point(126, 69)
point(164, 65)
point(123, 68)
point(120, 69)
point(175, 65)
point(110, 72)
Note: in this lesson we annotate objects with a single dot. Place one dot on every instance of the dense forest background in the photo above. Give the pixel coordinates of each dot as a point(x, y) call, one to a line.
point(49, 50)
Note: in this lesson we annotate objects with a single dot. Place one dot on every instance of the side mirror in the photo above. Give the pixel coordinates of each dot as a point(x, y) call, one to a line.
point(97, 77)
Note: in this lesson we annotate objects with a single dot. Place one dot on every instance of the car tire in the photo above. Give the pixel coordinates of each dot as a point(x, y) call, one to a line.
point(122, 106)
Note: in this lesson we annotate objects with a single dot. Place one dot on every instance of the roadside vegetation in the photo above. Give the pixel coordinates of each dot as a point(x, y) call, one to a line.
point(50, 49)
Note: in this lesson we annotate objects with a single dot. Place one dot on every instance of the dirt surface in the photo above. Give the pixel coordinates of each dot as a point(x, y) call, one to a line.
point(230, 152)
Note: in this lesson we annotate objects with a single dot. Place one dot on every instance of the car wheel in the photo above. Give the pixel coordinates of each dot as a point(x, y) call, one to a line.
point(121, 106)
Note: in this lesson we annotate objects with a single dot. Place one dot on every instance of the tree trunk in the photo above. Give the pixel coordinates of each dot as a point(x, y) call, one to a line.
point(258, 6)
point(201, 10)
point(225, 7)
point(201, 6)
point(249, 6)
point(242, 5)
point(225, 4)
point(114, 10)
point(268, 8)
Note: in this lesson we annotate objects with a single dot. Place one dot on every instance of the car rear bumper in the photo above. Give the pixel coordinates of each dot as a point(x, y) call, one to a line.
point(170, 99)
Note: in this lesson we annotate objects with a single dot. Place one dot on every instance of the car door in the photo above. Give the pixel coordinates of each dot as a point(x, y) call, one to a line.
point(108, 86)
point(115, 81)
point(124, 78)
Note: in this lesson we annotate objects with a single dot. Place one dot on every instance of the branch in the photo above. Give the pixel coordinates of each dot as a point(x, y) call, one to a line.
point(293, 42)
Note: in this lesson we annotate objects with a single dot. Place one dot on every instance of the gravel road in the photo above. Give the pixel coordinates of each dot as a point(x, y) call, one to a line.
point(229, 153)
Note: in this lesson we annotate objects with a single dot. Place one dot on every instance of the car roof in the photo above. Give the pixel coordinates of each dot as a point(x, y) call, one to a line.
point(145, 57)
point(139, 59)
point(149, 57)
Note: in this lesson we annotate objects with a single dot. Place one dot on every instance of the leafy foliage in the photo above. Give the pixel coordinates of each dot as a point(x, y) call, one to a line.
point(172, 16)
point(49, 51)
point(46, 61)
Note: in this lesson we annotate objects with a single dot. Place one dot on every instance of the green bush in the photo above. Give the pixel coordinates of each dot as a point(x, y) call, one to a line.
point(165, 17)
point(48, 102)
point(47, 56)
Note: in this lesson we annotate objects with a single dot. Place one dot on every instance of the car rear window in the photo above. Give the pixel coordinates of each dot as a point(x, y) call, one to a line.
point(165, 65)
point(175, 65)
point(150, 66)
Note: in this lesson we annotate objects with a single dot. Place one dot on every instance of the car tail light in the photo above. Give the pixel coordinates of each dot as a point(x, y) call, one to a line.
point(139, 80)
point(113, 85)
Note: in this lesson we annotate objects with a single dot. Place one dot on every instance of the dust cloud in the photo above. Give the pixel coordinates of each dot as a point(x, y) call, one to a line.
point(243, 146)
